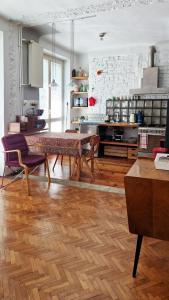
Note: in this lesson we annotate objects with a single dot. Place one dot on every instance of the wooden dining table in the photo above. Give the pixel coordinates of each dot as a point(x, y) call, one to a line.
point(62, 143)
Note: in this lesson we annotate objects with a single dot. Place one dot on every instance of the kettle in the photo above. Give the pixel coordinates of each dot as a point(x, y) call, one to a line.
point(140, 117)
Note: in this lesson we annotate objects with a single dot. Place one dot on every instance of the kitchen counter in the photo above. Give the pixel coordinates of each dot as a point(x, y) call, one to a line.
point(119, 124)
point(107, 124)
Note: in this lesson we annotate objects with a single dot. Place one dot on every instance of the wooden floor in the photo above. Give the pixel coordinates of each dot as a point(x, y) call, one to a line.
point(68, 243)
point(110, 171)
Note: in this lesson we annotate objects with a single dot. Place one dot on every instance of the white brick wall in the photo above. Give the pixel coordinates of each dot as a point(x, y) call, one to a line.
point(162, 61)
point(122, 73)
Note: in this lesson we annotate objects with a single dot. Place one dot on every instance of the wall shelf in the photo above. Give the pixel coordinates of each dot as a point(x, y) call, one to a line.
point(82, 106)
point(79, 93)
point(80, 78)
point(80, 99)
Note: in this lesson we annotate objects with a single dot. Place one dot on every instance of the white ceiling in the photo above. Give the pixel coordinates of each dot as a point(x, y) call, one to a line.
point(135, 25)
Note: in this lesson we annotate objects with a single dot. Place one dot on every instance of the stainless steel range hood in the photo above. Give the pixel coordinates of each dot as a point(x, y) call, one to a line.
point(149, 83)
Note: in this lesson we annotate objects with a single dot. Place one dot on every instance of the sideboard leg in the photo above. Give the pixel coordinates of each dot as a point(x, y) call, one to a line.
point(137, 254)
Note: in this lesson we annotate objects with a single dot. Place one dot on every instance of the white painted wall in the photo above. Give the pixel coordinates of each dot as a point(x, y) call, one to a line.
point(1, 98)
point(120, 74)
point(82, 60)
point(9, 72)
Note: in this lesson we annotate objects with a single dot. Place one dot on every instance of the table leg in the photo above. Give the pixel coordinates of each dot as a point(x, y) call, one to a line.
point(137, 254)
point(70, 171)
point(78, 168)
point(92, 164)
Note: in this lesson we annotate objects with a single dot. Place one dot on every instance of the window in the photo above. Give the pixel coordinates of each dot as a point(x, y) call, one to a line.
point(51, 99)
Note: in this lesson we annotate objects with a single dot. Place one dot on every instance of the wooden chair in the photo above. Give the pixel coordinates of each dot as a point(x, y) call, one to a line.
point(67, 131)
point(17, 155)
point(88, 155)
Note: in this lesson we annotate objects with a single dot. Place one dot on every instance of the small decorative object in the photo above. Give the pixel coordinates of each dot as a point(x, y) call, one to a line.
point(81, 88)
point(99, 72)
point(132, 118)
point(117, 118)
point(76, 88)
point(140, 117)
point(92, 101)
point(81, 73)
point(162, 161)
point(107, 118)
point(73, 73)
point(85, 74)
point(86, 88)
point(39, 112)
point(82, 118)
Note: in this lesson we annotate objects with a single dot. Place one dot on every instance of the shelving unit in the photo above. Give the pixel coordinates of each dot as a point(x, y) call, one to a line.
point(80, 98)
point(155, 110)
point(32, 126)
point(107, 142)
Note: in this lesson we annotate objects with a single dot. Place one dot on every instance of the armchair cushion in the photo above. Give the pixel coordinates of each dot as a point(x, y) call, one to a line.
point(29, 160)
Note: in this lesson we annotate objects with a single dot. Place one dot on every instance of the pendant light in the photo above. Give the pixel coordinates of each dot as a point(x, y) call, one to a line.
point(72, 51)
point(101, 37)
point(53, 83)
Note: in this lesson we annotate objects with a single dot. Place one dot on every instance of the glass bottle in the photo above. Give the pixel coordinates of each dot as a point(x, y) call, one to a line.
point(73, 73)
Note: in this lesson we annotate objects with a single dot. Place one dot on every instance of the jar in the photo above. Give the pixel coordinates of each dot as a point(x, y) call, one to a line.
point(76, 88)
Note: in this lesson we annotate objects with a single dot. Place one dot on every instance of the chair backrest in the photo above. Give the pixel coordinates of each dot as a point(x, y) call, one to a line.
point(71, 131)
point(94, 144)
point(14, 142)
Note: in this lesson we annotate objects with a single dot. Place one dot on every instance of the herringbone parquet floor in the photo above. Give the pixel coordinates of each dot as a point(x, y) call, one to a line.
point(73, 244)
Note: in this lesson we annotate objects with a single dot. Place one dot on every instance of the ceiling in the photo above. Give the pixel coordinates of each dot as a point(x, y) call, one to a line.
point(134, 24)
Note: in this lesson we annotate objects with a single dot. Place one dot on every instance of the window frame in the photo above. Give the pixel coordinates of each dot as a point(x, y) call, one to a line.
point(50, 120)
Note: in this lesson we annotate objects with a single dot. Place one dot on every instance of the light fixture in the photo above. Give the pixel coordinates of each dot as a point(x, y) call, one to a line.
point(53, 83)
point(102, 35)
point(100, 72)
point(72, 50)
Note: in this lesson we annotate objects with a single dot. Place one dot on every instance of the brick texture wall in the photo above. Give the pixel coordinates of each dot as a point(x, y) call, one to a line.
point(121, 73)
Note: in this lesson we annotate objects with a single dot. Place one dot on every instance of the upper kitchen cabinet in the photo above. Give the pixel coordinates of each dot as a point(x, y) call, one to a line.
point(32, 57)
point(35, 65)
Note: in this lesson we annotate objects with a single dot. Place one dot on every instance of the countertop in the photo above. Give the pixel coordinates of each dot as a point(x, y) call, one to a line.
point(145, 168)
point(107, 124)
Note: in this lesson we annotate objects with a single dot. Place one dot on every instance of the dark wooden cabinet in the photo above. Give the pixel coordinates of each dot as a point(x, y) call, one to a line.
point(118, 139)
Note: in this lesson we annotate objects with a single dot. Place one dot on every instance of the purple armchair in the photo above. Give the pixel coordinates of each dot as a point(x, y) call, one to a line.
point(17, 155)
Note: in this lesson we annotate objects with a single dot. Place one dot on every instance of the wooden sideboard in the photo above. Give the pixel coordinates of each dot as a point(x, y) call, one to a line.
point(32, 125)
point(147, 198)
point(111, 146)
